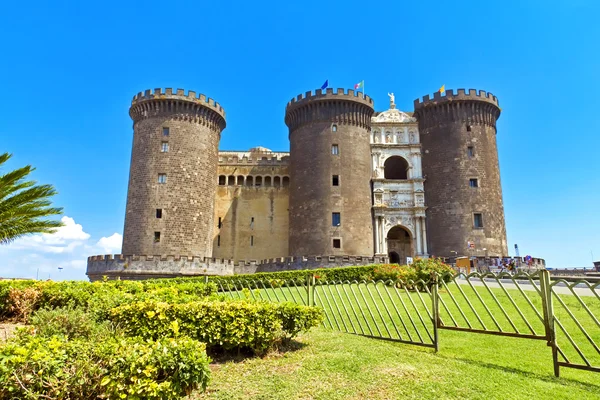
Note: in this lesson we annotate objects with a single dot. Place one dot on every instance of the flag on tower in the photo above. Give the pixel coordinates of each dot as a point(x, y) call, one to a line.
point(359, 85)
point(443, 88)
point(325, 85)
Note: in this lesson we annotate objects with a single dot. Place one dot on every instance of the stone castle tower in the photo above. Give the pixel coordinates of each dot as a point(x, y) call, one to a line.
point(462, 175)
point(330, 172)
point(357, 187)
point(172, 180)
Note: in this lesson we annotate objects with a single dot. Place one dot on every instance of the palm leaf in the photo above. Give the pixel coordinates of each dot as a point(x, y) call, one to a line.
point(24, 205)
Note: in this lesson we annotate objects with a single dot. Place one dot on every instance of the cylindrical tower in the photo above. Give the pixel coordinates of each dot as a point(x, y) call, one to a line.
point(330, 174)
point(465, 214)
point(172, 180)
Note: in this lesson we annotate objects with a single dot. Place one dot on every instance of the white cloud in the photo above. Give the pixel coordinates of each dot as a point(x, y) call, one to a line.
point(111, 244)
point(41, 255)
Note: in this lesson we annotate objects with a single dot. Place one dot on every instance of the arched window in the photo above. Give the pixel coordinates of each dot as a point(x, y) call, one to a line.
point(267, 181)
point(286, 181)
point(277, 181)
point(334, 128)
point(249, 181)
point(396, 167)
point(222, 180)
point(231, 180)
point(258, 181)
point(240, 180)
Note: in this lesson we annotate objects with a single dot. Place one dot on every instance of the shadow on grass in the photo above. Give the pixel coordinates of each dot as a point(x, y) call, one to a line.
point(590, 387)
point(220, 356)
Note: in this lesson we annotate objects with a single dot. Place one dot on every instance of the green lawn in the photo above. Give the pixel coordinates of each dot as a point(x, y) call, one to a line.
point(334, 365)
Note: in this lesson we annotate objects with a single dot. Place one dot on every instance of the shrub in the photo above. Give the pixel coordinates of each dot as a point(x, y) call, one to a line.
point(299, 277)
point(421, 269)
point(56, 368)
point(18, 299)
point(68, 322)
point(226, 325)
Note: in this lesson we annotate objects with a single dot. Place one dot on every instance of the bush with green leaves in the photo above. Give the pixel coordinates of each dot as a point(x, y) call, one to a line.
point(36, 367)
point(18, 299)
point(422, 269)
point(70, 323)
point(227, 325)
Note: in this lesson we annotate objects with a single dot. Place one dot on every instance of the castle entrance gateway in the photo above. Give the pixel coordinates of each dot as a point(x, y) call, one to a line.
point(399, 244)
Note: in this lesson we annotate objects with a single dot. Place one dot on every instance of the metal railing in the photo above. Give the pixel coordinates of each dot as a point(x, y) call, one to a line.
point(564, 314)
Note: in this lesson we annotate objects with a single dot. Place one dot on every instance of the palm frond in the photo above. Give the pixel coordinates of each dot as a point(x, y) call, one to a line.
point(24, 205)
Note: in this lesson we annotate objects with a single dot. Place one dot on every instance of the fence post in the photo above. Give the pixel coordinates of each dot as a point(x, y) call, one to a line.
point(205, 278)
point(548, 307)
point(308, 300)
point(435, 311)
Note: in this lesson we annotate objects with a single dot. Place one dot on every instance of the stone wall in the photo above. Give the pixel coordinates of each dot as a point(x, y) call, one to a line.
point(123, 267)
point(186, 199)
point(119, 266)
point(448, 126)
point(251, 215)
point(316, 123)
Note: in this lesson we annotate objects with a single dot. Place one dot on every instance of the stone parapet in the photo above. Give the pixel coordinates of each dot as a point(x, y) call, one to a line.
point(134, 267)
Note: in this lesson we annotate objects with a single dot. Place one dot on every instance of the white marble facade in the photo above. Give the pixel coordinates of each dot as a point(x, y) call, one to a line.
point(398, 195)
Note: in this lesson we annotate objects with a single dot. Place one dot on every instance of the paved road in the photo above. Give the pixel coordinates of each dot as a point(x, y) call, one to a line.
point(560, 288)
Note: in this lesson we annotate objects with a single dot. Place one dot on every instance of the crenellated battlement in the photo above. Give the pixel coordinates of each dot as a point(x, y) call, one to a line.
point(134, 267)
point(167, 93)
point(461, 94)
point(470, 107)
point(337, 107)
point(249, 158)
point(330, 94)
point(189, 107)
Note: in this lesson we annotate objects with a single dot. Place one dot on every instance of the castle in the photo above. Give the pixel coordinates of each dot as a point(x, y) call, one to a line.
point(357, 186)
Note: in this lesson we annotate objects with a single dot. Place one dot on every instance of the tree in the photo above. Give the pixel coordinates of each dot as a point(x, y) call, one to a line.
point(24, 205)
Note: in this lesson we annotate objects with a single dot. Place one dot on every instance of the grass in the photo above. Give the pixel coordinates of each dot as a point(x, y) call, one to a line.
point(333, 365)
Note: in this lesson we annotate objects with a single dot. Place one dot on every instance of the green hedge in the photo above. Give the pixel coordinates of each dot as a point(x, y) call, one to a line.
point(226, 325)
point(18, 299)
point(420, 269)
point(36, 367)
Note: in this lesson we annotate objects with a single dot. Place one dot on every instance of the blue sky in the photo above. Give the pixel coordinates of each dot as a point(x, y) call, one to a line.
point(69, 69)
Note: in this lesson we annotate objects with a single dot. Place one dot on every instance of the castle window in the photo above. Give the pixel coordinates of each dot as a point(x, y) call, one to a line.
point(277, 181)
point(164, 148)
point(336, 219)
point(337, 243)
point(231, 180)
point(336, 180)
point(395, 167)
point(156, 237)
point(335, 150)
point(220, 224)
point(251, 240)
point(222, 180)
point(468, 128)
point(252, 223)
point(159, 213)
point(218, 240)
point(286, 181)
point(470, 152)
point(334, 128)
point(258, 181)
point(165, 131)
point(249, 181)
point(473, 183)
point(477, 220)
point(162, 178)
point(240, 180)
